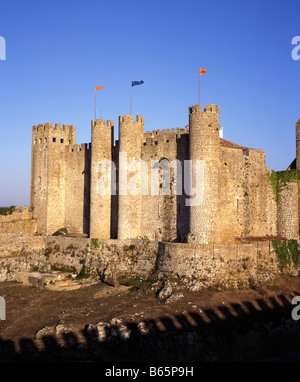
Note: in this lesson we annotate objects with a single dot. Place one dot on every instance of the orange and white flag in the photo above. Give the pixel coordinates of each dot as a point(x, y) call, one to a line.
point(202, 71)
point(98, 87)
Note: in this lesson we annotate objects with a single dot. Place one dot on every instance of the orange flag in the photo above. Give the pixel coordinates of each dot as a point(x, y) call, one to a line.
point(202, 71)
point(99, 87)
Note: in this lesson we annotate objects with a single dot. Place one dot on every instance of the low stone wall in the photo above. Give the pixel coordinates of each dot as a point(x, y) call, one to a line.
point(226, 265)
point(20, 221)
point(15, 245)
point(195, 267)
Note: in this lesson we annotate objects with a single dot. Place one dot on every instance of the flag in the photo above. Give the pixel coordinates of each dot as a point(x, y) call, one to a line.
point(99, 87)
point(202, 71)
point(187, 126)
point(134, 83)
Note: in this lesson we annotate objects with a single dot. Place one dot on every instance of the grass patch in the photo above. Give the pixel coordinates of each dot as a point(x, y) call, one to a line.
point(135, 283)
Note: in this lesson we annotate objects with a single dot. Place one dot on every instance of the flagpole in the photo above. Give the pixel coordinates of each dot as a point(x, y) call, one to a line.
point(199, 91)
point(95, 105)
point(131, 102)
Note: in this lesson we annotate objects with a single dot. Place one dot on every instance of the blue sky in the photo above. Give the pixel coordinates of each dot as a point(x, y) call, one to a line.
point(58, 51)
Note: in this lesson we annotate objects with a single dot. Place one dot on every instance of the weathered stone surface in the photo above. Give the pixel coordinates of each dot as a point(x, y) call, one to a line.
point(238, 199)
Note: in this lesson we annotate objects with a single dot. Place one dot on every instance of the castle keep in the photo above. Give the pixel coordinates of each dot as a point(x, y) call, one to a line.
point(237, 201)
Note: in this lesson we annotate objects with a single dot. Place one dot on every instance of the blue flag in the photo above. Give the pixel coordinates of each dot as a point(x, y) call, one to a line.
point(134, 83)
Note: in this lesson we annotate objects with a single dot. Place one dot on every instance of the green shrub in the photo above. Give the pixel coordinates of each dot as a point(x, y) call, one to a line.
point(61, 231)
point(7, 210)
point(83, 274)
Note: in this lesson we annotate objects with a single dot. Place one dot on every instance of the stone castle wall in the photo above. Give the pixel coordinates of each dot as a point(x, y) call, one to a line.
point(77, 195)
point(238, 197)
point(20, 221)
point(188, 265)
point(287, 215)
point(248, 206)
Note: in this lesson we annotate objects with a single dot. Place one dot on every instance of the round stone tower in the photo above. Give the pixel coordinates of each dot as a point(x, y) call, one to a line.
point(204, 147)
point(101, 172)
point(298, 144)
point(130, 196)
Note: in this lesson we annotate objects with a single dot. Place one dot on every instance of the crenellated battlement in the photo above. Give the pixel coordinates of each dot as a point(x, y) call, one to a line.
point(129, 118)
point(209, 109)
point(155, 133)
point(19, 213)
point(48, 133)
point(78, 148)
point(48, 127)
point(102, 123)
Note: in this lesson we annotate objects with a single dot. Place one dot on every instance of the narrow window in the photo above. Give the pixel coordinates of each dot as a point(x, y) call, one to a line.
point(61, 141)
point(40, 140)
point(45, 140)
point(35, 141)
point(54, 140)
point(40, 179)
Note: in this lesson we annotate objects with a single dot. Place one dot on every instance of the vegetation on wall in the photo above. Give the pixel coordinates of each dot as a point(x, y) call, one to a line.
point(60, 232)
point(95, 243)
point(279, 180)
point(288, 254)
point(7, 210)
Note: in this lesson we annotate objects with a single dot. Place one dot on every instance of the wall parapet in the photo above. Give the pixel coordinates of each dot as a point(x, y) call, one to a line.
point(49, 126)
point(83, 147)
point(174, 130)
point(20, 221)
point(20, 213)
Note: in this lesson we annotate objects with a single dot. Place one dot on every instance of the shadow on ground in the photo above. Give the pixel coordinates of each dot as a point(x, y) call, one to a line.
point(249, 331)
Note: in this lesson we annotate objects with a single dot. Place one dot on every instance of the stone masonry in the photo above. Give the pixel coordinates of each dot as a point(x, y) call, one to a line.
point(238, 200)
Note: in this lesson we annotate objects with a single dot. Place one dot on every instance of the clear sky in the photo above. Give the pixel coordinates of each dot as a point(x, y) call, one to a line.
point(58, 51)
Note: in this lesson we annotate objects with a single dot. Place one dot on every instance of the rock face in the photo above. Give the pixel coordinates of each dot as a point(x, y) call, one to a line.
point(166, 291)
point(188, 265)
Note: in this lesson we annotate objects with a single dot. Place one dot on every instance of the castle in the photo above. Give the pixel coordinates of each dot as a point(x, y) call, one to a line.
point(238, 199)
